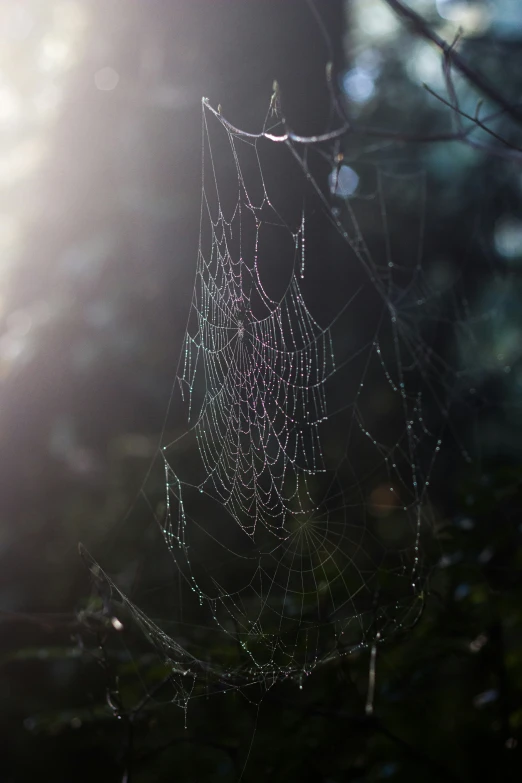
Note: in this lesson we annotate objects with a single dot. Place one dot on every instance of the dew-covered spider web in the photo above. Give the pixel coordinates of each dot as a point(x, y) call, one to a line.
point(307, 412)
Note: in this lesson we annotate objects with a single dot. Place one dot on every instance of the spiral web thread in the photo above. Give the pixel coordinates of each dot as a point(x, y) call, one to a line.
point(304, 575)
point(265, 387)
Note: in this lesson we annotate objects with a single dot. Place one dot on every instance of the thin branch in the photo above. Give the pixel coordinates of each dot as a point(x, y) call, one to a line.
point(422, 29)
point(463, 135)
point(477, 123)
point(283, 137)
point(448, 78)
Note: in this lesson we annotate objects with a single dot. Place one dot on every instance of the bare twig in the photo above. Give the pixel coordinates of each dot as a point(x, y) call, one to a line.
point(421, 28)
point(477, 123)
point(446, 70)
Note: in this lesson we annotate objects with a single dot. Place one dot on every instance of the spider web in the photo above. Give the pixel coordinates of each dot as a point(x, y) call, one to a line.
point(297, 450)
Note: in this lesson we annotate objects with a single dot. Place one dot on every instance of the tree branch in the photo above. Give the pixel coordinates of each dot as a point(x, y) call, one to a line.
point(421, 28)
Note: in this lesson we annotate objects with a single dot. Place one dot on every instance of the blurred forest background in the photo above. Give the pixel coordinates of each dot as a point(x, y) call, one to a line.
point(100, 186)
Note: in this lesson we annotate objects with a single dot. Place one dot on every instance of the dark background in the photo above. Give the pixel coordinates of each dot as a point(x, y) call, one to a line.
point(96, 283)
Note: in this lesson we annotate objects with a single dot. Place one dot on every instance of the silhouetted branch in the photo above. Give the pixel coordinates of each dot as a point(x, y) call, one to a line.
point(421, 28)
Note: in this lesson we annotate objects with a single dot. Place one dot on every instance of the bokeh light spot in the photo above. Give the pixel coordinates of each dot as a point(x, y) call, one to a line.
point(358, 85)
point(375, 18)
point(473, 18)
point(424, 65)
point(19, 322)
point(106, 79)
point(9, 107)
point(55, 55)
point(508, 237)
point(343, 181)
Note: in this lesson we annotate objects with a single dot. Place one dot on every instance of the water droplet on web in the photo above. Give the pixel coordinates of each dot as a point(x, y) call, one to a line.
point(253, 411)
